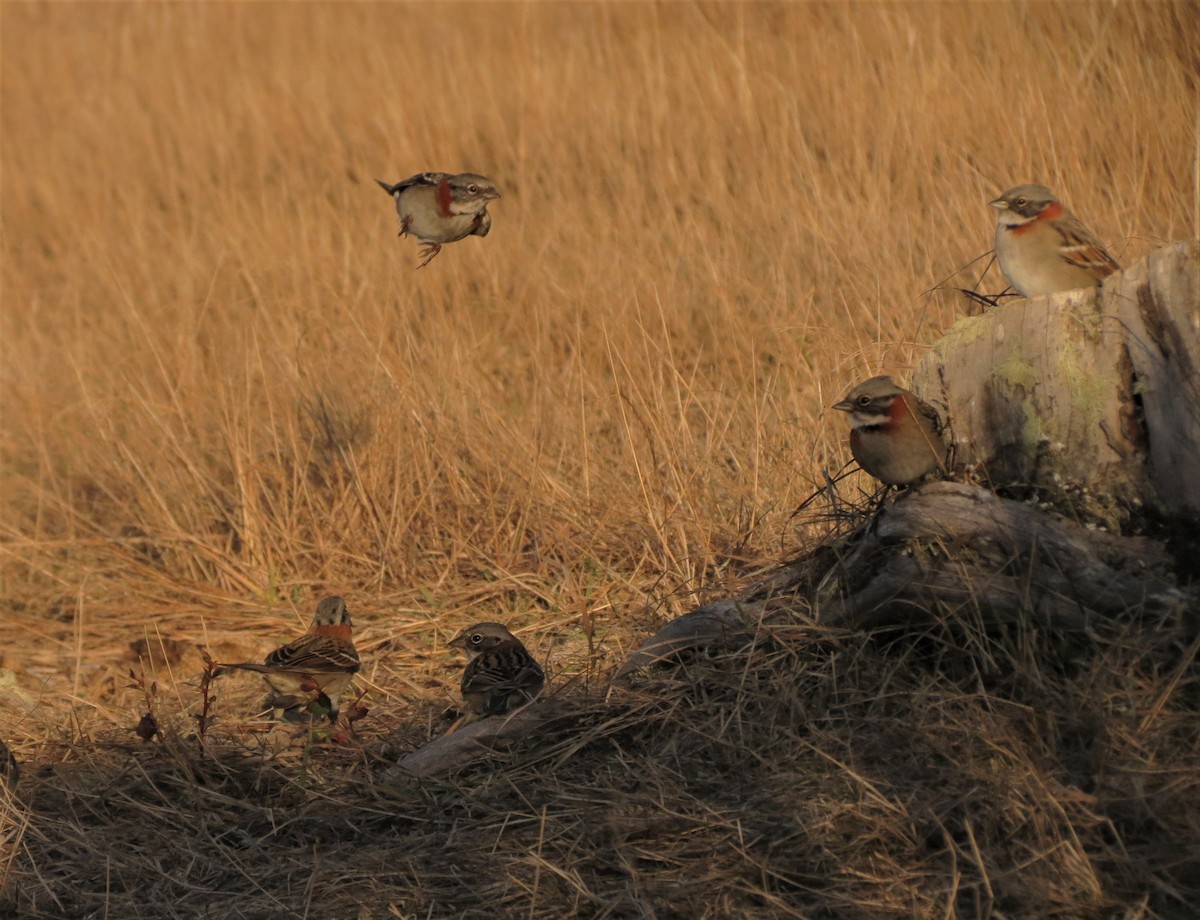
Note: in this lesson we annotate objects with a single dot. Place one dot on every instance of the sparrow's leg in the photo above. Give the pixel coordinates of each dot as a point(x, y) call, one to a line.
point(427, 252)
point(465, 719)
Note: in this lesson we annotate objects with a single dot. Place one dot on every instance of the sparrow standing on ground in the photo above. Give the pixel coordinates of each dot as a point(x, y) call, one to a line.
point(894, 436)
point(315, 668)
point(500, 674)
point(1042, 247)
point(439, 208)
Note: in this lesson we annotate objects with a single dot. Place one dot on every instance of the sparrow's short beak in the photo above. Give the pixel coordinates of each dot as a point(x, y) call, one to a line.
point(492, 194)
point(999, 204)
point(844, 406)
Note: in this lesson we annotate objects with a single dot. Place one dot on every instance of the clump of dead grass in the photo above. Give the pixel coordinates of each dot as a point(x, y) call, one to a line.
point(801, 773)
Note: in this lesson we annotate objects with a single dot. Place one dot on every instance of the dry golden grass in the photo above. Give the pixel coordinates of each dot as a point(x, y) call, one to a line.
point(227, 392)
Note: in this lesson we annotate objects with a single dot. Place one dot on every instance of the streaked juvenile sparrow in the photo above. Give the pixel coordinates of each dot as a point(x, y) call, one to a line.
point(1042, 247)
point(894, 436)
point(316, 668)
point(439, 208)
point(500, 674)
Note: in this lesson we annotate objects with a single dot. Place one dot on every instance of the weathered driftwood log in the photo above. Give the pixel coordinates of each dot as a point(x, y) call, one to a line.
point(1088, 399)
point(479, 740)
point(949, 549)
point(1083, 390)
point(711, 625)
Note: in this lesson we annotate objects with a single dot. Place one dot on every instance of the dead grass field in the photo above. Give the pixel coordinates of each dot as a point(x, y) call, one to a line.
point(226, 392)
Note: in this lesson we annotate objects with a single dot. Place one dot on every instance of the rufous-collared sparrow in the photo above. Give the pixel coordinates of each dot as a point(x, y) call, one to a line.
point(439, 208)
point(1042, 247)
point(500, 674)
point(894, 436)
point(316, 668)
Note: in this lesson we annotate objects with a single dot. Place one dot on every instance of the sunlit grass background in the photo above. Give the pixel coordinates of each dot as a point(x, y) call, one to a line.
point(227, 391)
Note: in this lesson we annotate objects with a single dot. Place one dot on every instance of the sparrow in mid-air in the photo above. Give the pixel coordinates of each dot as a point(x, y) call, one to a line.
point(1042, 247)
point(894, 436)
point(438, 208)
point(316, 668)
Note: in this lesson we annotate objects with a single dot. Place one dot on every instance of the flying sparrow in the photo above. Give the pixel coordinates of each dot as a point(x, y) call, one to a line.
point(500, 674)
point(315, 668)
point(439, 208)
point(1042, 247)
point(894, 436)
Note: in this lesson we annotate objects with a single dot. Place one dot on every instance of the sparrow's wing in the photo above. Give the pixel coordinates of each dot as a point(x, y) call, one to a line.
point(315, 654)
point(929, 412)
point(1081, 248)
point(483, 223)
point(936, 445)
point(425, 178)
point(503, 669)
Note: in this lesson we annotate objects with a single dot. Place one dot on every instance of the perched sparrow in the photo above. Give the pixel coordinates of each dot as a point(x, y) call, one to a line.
point(1042, 247)
point(500, 674)
point(440, 208)
point(317, 667)
point(894, 436)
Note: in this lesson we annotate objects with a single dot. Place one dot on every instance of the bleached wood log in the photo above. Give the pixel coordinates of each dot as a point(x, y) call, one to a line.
point(713, 624)
point(477, 741)
point(1082, 390)
point(949, 548)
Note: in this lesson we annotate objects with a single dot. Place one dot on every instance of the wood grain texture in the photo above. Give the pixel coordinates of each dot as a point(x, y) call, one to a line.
point(1095, 388)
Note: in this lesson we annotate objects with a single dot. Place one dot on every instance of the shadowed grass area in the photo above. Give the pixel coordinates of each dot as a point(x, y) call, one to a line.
point(803, 773)
point(226, 391)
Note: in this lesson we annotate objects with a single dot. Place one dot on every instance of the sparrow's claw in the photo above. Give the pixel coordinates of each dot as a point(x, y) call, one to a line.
point(467, 718)
point(427, 252)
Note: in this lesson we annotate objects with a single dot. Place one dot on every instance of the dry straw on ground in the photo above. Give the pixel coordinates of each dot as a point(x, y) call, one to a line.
point(226, 392)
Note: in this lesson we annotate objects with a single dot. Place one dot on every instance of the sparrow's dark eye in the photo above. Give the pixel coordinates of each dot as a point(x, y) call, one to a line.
point(864, 400)
point(477, 638)
point(1021, 202)
point(473, 189)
